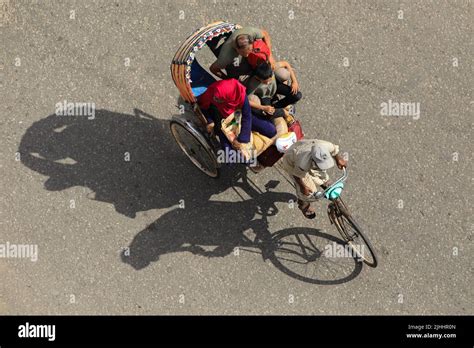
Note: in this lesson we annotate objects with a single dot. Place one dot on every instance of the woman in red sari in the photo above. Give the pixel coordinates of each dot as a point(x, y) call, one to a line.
point(221, 99)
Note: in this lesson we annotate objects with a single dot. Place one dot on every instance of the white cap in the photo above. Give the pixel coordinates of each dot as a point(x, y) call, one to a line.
point(284, 142)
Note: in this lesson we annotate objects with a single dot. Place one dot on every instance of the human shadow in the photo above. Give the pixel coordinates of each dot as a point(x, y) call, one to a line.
point(132, 162)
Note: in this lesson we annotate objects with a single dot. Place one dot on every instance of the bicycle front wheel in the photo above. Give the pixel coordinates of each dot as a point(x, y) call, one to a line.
point(352, 233)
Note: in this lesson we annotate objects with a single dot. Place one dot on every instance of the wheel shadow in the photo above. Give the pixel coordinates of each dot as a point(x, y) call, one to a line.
point(217, 229)
point(302, 253)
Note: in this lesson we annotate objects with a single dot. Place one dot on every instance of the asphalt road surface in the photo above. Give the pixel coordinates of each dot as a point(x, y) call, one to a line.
point(124, 224)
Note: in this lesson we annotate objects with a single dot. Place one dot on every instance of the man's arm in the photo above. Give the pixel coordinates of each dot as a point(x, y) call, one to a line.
point(268, 42)
point(216, 70)
point(266, 38)
point(225, 58)
point(209, 119)
point(294, 81)
point(257, 105)
point(246, 123)
point(267, 108)
point(340, 161)
point(335, 153)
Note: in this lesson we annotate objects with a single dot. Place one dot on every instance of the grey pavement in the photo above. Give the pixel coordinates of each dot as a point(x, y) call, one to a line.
point(152, 235)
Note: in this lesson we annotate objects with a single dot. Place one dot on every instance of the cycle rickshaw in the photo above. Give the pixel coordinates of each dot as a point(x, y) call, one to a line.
point(189, 131)
point(191, 79)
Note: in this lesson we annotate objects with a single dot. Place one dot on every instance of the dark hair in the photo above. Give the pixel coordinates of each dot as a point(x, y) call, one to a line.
point(264, 71)
point(243, 40)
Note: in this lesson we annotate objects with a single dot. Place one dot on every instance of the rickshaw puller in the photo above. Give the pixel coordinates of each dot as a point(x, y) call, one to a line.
point(306, 161)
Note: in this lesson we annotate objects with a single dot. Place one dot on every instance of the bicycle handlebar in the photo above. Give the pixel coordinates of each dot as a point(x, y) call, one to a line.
point(320, 194)
point(341, 179)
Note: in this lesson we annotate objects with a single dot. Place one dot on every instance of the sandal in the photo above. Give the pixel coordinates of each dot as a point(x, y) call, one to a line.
point(257, 169)
point(307, 210)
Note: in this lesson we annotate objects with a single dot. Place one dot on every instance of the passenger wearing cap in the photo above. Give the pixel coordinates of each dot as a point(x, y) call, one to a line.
point(306, 161)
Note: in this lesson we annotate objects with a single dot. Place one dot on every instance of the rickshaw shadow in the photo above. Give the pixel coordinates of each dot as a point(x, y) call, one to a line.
point(132, 162)
point(128, 160)
point(220, 229)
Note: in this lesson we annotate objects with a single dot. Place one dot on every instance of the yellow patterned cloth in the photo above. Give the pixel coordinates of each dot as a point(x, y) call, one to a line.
point(258, 143)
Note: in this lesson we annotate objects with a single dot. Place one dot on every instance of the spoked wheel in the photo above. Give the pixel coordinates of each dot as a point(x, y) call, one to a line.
point(195, 147)
point(352, 233)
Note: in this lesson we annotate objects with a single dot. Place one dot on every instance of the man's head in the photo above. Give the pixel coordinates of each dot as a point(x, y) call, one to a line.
point(244, 45)
point(264, 73)
point(322, 157)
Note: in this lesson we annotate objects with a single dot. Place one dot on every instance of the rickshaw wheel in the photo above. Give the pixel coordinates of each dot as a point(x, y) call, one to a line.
point(195, 147)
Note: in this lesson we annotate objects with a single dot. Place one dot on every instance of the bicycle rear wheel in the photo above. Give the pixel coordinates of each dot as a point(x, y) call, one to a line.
point(352, 233)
